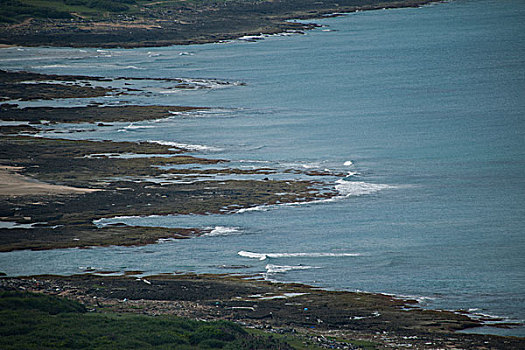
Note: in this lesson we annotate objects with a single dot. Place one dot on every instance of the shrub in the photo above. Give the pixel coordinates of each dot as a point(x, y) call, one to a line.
point(12, 300)
point(15, 11)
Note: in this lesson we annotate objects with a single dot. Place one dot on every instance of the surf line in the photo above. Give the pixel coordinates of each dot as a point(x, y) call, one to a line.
point(264, 256)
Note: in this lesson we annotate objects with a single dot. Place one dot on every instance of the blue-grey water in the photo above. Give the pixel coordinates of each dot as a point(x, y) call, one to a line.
point(428, 104)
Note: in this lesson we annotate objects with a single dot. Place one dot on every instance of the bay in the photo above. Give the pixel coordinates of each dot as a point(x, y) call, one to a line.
point(427, 104)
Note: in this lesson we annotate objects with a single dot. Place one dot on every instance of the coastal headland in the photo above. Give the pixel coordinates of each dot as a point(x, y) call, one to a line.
point(53, 190)
point(140, 23)
point(59, 187)
point(307, 317)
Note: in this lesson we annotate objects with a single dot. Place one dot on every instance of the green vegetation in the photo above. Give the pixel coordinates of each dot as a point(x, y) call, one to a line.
point(303, 342)
point(15, 11)
point(35, 321)
point(105, 5)
point(363, 344)
point(16, 301)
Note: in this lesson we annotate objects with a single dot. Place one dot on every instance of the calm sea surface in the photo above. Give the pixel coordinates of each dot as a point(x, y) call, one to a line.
point(428, 105)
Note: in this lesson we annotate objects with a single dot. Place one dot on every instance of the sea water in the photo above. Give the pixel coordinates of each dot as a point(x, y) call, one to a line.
point(422, 107)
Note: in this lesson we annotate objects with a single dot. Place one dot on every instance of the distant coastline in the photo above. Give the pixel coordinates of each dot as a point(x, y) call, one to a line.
point(168, 23)
point(55, 188)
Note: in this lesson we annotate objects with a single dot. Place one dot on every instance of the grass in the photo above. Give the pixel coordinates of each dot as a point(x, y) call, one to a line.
point(297, 342)
point(364, 344)
point(34, 321)
point(16, 11)
point(300, 342)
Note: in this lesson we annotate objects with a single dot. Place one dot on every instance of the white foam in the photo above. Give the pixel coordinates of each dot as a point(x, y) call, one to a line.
point(278, 204)
point(120, 219)
point(263, 256)
point(358, 188)
point(251, 161)
point(304, 165)
point(283, 296)
point(133, 126)
point(252, 255)
point(257, 208)
point(310, 165)
point(488, 319)
point(13, 123)
point(127, 155)
point(252, 37)
point(165, 240)
point(170, 91)
point(271, 268)
point(420, 299)
point(357, 318)
point(87, 268)
point(189, 147)
point(223, 231)
point(12, 225)
point(53, 66)
point(309, 255)
point(348, 163)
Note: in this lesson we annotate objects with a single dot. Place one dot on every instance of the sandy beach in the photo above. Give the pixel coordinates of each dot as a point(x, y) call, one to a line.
point(55, 191)
point(14, 184)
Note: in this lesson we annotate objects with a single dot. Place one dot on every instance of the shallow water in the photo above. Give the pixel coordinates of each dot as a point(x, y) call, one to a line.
point(427, 104)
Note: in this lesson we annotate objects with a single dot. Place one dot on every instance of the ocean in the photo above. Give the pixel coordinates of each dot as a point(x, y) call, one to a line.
point(423, 109)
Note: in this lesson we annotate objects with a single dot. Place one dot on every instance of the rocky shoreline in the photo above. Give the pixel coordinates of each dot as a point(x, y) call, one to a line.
point(82, 181)
point(165, 23)
point(334, 319)
point(125, 186)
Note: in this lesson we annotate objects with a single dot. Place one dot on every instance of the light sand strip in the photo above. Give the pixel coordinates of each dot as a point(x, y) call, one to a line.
point(13, 184)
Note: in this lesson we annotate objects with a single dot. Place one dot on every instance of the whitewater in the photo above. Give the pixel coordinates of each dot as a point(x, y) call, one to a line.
point(417, 113)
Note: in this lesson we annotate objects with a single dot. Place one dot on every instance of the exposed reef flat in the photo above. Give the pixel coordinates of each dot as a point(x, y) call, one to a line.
point(89, 114)
point(62, 186)
point(338, 318)
point(27, 86)
point(120, 186)
point(169, 22)
point(31, 86)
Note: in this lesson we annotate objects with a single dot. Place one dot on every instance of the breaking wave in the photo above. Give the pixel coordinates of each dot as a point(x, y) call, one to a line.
point(223, 231)
point(257, 208)
point(358, 188)
point(188, 147)
point(271, 268)
point(133, 126)
point(264, 256)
